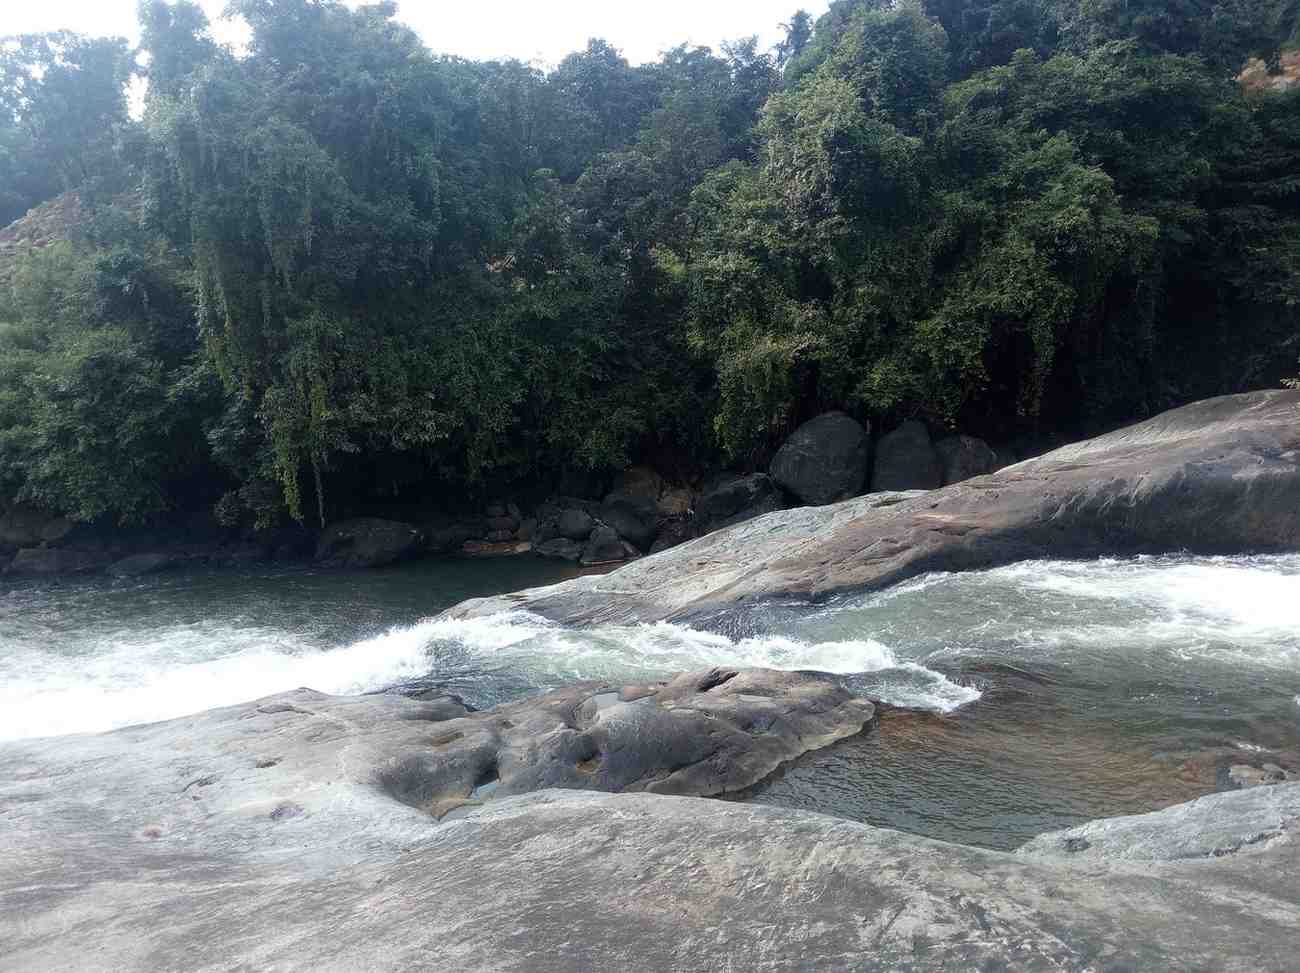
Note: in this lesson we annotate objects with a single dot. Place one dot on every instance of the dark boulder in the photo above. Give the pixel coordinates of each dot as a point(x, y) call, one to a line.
point(560, 549)
point(673, 533)
point(963, 458)
point(43, 562)
point(636, 522)
point(140, 564)
point(576, 525)
point(824, 460)
point(732, 499)
point(368, 543)
point(23, 526)
point(447, 538)
point(605, 546)
point(906, 460)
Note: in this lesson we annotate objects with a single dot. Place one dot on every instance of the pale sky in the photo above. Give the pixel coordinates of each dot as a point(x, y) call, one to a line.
point(529, 31)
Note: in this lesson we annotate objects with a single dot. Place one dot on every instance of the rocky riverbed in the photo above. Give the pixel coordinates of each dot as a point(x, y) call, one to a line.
point(393, 832)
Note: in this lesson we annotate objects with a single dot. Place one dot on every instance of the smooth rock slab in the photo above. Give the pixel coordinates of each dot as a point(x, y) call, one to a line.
point(256, 838)
point(1216, 477)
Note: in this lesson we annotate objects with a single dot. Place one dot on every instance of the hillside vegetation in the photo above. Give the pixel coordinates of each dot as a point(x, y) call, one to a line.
point(336, 270)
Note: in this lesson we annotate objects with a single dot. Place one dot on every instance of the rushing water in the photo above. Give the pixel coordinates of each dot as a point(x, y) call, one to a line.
point(1035, 695)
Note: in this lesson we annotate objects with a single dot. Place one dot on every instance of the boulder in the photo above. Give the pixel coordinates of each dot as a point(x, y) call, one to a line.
point(963, 458)
point(576, 525)
point(673, 533)
point(906, 460)
point(23, 526)
point(824, 460)
point(141, 564)
point(1214, 477)
point(274, 835)
point(675, 503)
point(703, 733)
point(45, 562)
point(637, 485)
point(560, 549)
point(637, 522)
point(605, 546)
point(367, 543)
point(448, 538)
point(732, 499)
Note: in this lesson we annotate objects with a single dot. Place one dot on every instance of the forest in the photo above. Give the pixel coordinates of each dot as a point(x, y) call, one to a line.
point(336, 270)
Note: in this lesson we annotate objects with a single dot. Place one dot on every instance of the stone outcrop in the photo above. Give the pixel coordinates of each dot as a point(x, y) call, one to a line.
point(1219, 476)
point(268, 836)
point(824, 460)
point(701, 734)
point(367, 542)
point(906, 460)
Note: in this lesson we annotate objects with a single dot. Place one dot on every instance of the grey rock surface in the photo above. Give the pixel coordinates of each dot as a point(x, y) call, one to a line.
point(1211, 827)
point(1219, 476)
point(368, 542)
point(906, 460)
point(259, 837)
point(824, 460)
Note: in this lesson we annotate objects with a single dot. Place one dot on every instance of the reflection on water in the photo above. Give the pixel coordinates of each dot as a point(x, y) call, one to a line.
point(1050, 692)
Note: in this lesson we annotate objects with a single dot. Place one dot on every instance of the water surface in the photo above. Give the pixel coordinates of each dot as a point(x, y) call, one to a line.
point(1020, 699)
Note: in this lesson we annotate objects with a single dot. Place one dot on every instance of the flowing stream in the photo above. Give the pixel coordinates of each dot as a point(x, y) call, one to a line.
point(1021, 699)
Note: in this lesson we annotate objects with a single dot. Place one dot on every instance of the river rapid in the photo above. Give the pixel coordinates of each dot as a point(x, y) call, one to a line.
point(1020, 699)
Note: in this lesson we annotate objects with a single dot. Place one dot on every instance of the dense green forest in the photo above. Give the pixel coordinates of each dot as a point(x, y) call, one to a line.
point(335, 269)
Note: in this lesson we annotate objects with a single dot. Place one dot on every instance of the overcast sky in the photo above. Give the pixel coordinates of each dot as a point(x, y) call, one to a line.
point(524, 29)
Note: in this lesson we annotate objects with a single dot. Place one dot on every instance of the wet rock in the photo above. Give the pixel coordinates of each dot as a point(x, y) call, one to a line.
point(964, 457)
point(824, 460)
point(40, 561)
point(732, 499)
point(367, 543)
point(576, 525)
point(209, 878)
point(1214, 477)
point(906, 460)
point(702, 733)
point(141, 564)
point(560, 549)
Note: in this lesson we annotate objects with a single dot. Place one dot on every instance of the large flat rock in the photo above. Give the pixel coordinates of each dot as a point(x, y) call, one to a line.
point(260, 837)
point(1219, 476)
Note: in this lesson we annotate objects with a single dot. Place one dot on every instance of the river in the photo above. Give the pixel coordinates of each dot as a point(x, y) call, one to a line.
point(1020, 699)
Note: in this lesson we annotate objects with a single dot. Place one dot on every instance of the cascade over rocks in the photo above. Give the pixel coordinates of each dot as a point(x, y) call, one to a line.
point(367, 542)
point(906, 460)
point(1219, 476)
point(824, 460)
point(274, 835)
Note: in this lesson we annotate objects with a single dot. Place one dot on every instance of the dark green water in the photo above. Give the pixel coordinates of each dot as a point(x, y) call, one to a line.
point(1036, 696)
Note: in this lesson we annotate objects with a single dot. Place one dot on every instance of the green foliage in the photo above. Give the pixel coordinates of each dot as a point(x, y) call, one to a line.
point(338, 269)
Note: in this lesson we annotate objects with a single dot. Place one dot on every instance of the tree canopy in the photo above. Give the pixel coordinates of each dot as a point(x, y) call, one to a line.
point(335, 268)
